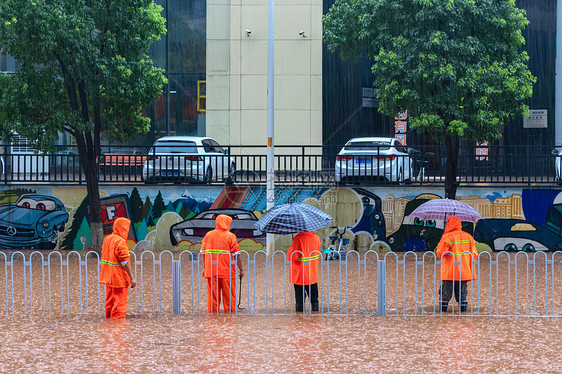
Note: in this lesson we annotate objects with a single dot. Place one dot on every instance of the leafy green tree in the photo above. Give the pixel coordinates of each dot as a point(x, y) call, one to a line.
point(456, 66)
point(83, 70)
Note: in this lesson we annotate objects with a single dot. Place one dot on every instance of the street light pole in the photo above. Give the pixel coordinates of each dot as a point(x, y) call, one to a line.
point(270, 120)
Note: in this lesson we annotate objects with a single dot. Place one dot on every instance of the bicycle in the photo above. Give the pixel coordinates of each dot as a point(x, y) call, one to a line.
point(335, 252)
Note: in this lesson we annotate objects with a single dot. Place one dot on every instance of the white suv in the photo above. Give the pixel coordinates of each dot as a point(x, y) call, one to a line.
point(187, 158)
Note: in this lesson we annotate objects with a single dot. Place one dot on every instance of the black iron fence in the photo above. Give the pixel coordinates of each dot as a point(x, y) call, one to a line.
point(298, 165)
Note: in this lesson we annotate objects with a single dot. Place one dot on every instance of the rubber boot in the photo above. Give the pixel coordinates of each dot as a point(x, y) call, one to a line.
point(464, 306)
point(314, 307)
point(444, 306)
point(299, 307)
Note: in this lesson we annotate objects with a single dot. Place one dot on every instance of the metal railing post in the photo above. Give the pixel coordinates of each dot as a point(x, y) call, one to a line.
point(176, 287)
point(381, 288)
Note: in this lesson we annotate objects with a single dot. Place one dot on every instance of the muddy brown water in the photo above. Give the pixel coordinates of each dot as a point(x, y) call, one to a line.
point(153, 341)
point(271, 344)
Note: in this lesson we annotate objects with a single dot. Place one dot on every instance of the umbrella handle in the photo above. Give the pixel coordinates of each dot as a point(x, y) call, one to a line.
point(240, 294)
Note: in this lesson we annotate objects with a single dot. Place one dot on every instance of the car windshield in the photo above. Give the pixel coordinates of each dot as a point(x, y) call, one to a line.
point(367, 145)
point(174, 147)
point(27, 203)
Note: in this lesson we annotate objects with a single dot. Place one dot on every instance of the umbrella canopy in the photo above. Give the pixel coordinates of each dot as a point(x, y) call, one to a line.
point(441, 209)
point(292, 218)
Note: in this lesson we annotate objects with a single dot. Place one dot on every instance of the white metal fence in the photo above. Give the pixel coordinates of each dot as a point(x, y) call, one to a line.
point(400, 284)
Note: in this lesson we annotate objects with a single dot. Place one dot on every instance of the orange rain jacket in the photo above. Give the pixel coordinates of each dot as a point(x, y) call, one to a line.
point(114, 252)
point(456, 241)
point(305, 247)
point(220, 243)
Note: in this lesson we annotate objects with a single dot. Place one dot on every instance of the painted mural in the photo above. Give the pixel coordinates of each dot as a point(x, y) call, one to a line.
point(177, 217)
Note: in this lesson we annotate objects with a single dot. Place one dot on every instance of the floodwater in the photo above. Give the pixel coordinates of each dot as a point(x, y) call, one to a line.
point(271, 344)
point(71, 336)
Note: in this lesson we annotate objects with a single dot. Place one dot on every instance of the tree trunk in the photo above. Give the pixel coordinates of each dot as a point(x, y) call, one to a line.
point(89, 161)
point(96, 224)
point(451, 167)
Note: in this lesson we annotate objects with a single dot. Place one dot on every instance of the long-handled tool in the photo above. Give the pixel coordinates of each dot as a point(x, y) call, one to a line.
point(240, 295)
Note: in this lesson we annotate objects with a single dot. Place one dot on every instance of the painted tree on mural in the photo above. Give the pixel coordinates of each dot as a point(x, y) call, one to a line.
point(135, 203)
point(455, 66)
point(83, 70)
point(158, 206)
point(146, 207)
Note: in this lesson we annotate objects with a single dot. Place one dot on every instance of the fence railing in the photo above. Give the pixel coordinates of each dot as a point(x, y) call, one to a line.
point(299, 165)
point(399, 284)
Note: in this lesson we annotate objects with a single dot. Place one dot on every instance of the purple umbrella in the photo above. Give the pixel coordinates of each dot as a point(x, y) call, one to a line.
point(441, 209)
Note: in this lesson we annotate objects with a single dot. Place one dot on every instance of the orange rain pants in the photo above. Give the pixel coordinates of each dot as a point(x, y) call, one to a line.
point(214, 295)
point(116, 302)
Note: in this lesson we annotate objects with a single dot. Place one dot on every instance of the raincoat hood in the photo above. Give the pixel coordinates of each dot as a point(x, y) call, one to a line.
point(121, 227)
point(453, 224)
point(223, 222)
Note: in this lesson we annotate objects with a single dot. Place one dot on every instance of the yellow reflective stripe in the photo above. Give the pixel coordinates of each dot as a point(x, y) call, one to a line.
point(215, 251)
point(110, 263)
point(460, 241)
point(315, 257)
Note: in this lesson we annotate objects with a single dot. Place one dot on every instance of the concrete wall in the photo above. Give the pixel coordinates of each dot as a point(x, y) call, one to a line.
point(176, 217)
point(237, 71)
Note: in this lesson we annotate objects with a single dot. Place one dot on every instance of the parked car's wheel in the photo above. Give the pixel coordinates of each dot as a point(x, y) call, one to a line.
point(529, 248)
point(48, 245)
point(231, 174)
point(208, 176)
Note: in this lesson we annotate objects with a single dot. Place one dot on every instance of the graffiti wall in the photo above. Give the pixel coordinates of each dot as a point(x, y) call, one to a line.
point(177, 217)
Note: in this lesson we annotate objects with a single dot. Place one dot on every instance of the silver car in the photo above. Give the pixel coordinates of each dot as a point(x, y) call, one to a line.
point(194, 229)
point(373, 158)
point(187, 158)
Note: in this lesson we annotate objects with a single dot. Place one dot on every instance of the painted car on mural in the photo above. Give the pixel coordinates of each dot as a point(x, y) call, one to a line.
point(194, 229)
point(516, 235)
point(33, 222)
point(416, 234)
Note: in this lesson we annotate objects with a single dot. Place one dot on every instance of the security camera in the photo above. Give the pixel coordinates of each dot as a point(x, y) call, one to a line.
point(248, 32)
point(301, 33)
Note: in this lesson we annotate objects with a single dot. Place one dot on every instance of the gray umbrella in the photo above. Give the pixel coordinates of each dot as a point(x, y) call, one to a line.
point(292, 218)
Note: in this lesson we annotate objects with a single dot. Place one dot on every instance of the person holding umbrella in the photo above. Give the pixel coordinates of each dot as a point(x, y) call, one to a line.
point(218, 246)
point(304, 255)
point(455, 246)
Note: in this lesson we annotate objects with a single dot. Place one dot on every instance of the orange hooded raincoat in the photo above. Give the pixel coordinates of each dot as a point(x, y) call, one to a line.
point(114, 253)
point(305, 247)
point(456, 241)
point(220, 244)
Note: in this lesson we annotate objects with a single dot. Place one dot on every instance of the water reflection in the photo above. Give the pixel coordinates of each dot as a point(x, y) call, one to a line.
point(272, 344)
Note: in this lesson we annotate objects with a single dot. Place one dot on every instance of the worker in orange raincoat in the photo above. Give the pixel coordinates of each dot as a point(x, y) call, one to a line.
point(462, 248)
point(304, 255)
point(218, 246)
point(116, 271)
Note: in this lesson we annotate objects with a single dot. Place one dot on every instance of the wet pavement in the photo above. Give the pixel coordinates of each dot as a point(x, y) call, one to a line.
point(259, 344)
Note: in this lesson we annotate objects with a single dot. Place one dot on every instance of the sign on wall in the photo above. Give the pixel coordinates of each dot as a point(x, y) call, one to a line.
point(537, 119)
point(401, 126)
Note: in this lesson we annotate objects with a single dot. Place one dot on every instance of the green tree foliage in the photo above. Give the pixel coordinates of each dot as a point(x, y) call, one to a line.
point(455, 65)
point(135, 202)
point(84, 70)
